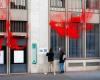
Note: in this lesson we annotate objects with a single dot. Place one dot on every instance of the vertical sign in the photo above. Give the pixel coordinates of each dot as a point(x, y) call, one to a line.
point(34, 53)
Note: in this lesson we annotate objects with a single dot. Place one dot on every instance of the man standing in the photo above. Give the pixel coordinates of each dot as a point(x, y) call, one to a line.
point(62, 59)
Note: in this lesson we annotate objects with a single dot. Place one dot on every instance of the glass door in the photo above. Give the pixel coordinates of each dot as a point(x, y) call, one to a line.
point(18, 61)
point(3, 60)
point(18, 58)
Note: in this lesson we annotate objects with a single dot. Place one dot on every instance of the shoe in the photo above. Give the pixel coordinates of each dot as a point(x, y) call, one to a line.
point(54, 74)
point(45, 73)
point(62, 72)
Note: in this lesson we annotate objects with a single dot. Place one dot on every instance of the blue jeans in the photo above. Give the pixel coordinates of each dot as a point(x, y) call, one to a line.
point(61, 67)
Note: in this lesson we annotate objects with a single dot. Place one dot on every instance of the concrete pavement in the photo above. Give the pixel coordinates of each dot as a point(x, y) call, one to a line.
point(89, 75)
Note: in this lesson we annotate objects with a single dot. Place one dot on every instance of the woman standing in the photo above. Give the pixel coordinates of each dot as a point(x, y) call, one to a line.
point(50, 55)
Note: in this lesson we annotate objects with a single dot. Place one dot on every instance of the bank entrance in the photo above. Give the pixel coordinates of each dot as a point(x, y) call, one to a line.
point(14, 60)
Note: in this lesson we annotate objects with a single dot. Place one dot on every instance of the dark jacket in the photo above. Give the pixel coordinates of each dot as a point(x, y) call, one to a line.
point(50, 56)
point(61, 57)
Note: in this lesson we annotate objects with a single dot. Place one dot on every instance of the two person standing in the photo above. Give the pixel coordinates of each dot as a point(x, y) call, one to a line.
point(62, 59)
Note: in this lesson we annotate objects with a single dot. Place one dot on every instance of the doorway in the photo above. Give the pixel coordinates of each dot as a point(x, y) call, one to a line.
point(18, 58)
point(12, 60)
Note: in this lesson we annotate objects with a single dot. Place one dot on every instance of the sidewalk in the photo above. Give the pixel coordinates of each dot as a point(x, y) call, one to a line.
point(90, 75)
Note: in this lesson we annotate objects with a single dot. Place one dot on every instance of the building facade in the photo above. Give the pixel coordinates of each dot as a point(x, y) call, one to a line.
point(83, 53)
point(29, 23)
point(15, 13)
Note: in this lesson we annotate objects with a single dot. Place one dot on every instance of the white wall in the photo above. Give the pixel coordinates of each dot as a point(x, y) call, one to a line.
point(3, 10)
point(16, 14)
point(3, 3)
point(38, 32)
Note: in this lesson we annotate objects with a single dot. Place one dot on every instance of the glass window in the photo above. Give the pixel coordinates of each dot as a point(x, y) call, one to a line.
point(74, 4)
point(57, 42)
point(57, 3)
point(18, 4)
point(18, 26)
point(92, 42)
point(92, 4)
point(2, 26)
point(75, 46)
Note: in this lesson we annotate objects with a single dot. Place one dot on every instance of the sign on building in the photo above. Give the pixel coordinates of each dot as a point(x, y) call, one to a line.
point(34, 53)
